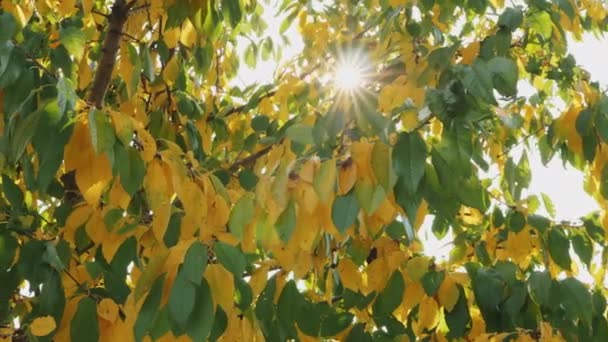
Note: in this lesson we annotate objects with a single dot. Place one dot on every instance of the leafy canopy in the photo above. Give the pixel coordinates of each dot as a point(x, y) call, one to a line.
point(145, 196)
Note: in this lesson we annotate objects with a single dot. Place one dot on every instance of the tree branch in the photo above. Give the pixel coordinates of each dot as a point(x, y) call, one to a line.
point(116, 22)
point(251, 158)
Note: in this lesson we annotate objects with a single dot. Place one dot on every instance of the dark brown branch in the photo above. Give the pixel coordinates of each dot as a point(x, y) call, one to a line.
point(116, 22)
point(251, 158)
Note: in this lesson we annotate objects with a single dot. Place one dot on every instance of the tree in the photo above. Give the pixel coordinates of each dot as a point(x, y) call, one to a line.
point(146, 196)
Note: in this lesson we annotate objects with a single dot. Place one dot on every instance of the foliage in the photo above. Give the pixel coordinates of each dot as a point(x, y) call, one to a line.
point(147, 196)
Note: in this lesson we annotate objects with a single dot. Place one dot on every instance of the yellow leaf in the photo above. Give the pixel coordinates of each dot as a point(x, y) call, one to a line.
point(417, 267)
point(347, 176)
point(448, 293)
point(258, 280)
point(171, 70)
point(66, 8)
point(412, 296)
point(221, 285)
point(188, 34)
point(93, 171)
point(428, 313)
point(397, 3)
point(148, 144)
point(349, 274)
point(409, 120)
point(107, 310)
point(85, 74)
point(377, 275)
point(150, 272)
point(171, 37)
point(43, 326)
point(469, 52)
point(77, 218)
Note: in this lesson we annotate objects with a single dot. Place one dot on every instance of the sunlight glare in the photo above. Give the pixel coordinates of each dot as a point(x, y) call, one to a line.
point(348, 77)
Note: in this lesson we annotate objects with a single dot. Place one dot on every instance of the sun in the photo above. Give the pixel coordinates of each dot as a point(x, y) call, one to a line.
point(348, 76)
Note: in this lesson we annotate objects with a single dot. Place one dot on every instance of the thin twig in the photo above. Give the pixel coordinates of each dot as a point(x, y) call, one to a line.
point(251, 158)
point(521, 141)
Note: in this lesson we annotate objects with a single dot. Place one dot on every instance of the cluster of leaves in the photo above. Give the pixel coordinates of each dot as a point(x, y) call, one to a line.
point(145, 196)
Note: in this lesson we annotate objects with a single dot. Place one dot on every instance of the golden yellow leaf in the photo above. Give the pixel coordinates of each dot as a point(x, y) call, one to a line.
point(469, 52)
point(188, 34)
point(93, 171)
point(428, 313)
point(107, 310)
point(519, 247)
point(77, 218)
point(349, 274)
point(85, 72)
point(42, 326)
point(448, 293)
point(171, 70)
point(258, 279)
point(397, 3)
point(347, 176)
point(66, 8)
point(221, 285)
point(377, 275)
point(409, 120)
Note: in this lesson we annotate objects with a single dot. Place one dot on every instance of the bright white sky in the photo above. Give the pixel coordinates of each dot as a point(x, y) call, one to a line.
point(564, 185)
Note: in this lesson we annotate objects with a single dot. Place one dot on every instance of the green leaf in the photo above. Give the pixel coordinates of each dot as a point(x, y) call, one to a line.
point(583, 247)
point(74, 40)
point(549, 206)
point(488, 288)
point(409, 156)
point(248, 179)
point(540, 223)
point(9, 26)
point(202, 318)
point(541, 23)
point(459, 319)
point(13, 193)
point(232, 9)
point(477, 79)
point(147, 63)
point(149, 310)
point(576, 299)
point(431, 281)
point(8, 249)
point(300, 133)
point(250, 55)
point(84, 325)
point(504, 75)
point(195, 263)
point(66, 95)
point(559, 248)
point(230, 257)
point(391, 296)
point(511, 18)
point(130, 167)
point(102, 132)
point(241, 215)
point(243, 294)
point(286, 223)
point(181, 300)
point(20, 137)
point(289, 303)
point(516, 221)
point(539, 286)
point(260, 123)
point(344, 211)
